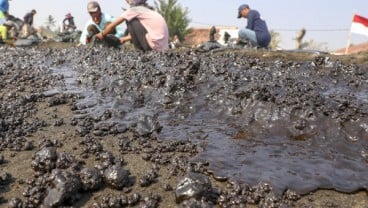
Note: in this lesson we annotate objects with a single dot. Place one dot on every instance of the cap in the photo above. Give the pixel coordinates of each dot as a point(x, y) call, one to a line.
point(241, 7)
point(34, 11)
point(93, 6)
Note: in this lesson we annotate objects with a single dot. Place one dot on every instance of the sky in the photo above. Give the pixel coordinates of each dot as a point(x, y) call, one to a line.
point(327, 21)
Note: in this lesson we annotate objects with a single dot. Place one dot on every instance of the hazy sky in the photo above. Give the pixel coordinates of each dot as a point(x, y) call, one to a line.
point(327, 21)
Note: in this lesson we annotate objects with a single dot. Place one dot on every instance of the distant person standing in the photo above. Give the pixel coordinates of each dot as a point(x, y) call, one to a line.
point(28, 18)
point(256, 30)
point(27, 28)
point(4, 11)
point(147, 28)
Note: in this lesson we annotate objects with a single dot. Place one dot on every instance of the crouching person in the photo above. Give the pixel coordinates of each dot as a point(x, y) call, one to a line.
point(256, 30)
point(6, 38)
point(96, 24)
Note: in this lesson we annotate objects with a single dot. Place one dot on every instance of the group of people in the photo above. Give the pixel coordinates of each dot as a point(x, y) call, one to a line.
point(12, 28)
point(146, 29)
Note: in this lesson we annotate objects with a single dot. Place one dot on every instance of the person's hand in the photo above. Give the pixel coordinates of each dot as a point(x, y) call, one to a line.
point(125, 38)
point(99, 35)
point(122, 40)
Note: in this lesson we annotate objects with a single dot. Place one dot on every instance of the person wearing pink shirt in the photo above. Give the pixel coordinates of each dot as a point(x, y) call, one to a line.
point(147, 29)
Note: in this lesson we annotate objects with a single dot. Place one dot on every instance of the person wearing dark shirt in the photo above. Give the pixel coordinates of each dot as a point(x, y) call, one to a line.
point(27, 28)
point(28, 18)
point(256, 30)
point(147, 29)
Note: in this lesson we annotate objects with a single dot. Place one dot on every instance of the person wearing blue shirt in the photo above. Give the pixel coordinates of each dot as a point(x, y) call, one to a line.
point(97, 23)
point(4, 7)
point(256, 30)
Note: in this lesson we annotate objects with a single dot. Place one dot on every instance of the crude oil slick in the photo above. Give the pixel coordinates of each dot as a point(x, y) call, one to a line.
point(278, 126)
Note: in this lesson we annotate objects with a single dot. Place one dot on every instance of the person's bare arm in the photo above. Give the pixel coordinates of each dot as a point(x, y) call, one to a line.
point(110, 27)
point(125, 38)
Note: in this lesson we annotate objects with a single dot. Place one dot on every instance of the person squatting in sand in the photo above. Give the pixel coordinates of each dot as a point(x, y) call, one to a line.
point(147, 29)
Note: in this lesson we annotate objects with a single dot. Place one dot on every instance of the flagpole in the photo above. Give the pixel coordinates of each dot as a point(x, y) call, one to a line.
point(348, 44)
point(349, 38)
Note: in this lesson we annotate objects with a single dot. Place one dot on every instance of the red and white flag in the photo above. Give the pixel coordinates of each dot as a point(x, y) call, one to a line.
point(359, 25)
